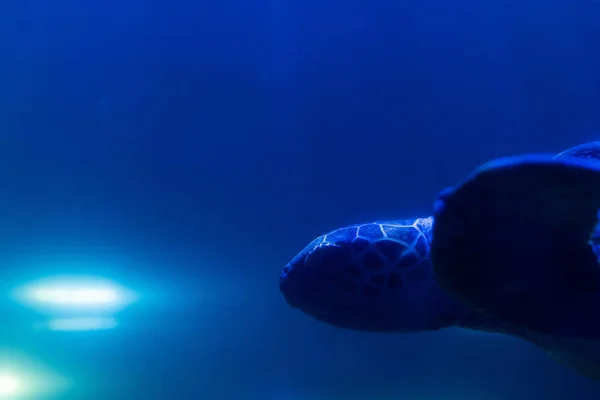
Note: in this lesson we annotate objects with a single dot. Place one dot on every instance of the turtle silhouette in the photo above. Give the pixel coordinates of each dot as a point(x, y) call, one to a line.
point(514, 248)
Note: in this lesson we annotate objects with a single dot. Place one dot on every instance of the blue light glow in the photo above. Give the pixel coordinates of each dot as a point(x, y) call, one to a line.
point(81, 324)
point(68, 294)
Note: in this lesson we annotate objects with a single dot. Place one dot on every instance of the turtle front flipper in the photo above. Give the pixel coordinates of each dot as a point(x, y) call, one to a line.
point(513, 240)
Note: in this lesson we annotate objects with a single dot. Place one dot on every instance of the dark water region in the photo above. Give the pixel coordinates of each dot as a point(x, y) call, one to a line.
point(187, 150)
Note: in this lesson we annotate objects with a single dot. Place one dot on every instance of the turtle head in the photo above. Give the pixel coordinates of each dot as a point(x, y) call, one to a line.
point(372, 277)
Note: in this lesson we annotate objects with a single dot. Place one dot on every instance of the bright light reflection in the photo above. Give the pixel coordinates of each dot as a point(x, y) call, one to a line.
point(81, 324)
point(22, 379)
point(66, 295)
point(76, 294)
point(10, 385)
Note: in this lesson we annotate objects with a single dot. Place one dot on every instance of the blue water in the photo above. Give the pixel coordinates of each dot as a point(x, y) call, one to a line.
point(187, 150)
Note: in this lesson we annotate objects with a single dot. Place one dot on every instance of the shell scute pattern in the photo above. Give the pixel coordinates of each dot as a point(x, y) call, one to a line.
point(408, 260)
point(389, 249)
point(386, 255)
point(422, 246)
point(369, 277)
point(401, 234)
point(372, 259)
point(360, 244)
point(371, 231)
point(344, 235)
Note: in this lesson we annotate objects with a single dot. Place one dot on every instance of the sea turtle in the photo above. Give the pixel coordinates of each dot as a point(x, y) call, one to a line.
point(511, 249)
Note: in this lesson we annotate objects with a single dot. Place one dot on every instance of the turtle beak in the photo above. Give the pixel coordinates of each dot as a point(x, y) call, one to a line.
point(290, 286)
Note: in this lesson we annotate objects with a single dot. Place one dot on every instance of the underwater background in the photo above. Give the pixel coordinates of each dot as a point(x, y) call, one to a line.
point(188, 150)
